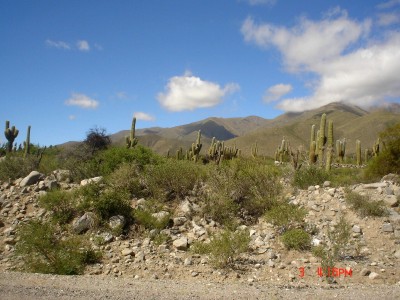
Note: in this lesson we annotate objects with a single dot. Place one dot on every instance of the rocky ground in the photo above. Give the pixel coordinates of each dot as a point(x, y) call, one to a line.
point(140, 265)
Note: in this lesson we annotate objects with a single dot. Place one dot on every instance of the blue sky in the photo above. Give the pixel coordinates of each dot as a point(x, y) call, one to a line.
point(68, 66)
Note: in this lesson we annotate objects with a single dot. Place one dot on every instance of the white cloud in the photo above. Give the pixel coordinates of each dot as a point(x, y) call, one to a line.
point(121, 95)
point(276, 92)
point(58, 44)
point(309, 43)
point(388, 4)
point(143, 116)
point(82, 101)
point(83, 45)
point(388, 19)
point(330, 49)
point(72, 117)
point(188, 92)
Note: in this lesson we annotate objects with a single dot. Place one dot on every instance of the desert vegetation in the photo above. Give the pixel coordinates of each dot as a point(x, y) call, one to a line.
point(150, 195)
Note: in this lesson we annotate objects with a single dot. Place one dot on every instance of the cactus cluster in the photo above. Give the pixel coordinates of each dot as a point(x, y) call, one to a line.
point(321, 140)
point(131, 140)
point(313, 147)
point(329, 147)
point(219, 152)
point(11, 134)
point(254, 150)
point(375, 147)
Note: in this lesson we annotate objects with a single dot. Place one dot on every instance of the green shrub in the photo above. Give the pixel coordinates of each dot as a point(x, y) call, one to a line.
point(61, 203)
point(126, 178)
point(224, 248)
point(297, 239)
point(338, 239)
point(105, 202)
point(388, 160)
point(252, 186)
point(221, 208)
point(173, 179)
point(345, 176)
point(364, 206)
point(44, 251)
point(306, 177)
point(285, 215)
point(14, 166)
point(144, 217)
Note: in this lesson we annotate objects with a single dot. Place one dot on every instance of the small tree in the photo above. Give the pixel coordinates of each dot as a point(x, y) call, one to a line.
point(97, 139)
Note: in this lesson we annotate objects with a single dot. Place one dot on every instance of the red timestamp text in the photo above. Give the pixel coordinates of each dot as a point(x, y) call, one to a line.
point(329, 272)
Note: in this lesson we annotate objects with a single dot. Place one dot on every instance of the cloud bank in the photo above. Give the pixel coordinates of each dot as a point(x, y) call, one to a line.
point(80, 45)
point(82, 101)
point(188, 92)
point(349, 65)
point(276, 92)
point(143, 116)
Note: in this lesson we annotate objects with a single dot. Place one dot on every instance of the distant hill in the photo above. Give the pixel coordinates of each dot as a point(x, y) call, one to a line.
point(350, 122)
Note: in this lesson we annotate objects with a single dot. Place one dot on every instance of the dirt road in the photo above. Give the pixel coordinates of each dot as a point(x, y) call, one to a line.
point(23, 286)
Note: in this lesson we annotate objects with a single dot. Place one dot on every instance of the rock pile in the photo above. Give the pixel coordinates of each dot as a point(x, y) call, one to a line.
point(373, 256)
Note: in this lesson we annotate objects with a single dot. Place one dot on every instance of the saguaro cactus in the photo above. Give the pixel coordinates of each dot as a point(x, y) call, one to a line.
point(358, 152)
point(132, 141)
point(321, 140)
point(11, 134)
point(196, 147)
point(313, 145)
point(329, 146)
point(27, 143)
point(375, 147)
point(341, 149)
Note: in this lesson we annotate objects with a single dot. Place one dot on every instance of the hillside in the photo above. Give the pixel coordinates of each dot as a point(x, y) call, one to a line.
point(350, 122)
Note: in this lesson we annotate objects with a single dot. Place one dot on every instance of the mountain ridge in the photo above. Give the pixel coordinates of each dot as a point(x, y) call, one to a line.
point(350, 122)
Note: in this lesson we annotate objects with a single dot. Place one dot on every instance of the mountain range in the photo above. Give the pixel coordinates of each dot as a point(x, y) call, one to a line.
point(350, 122)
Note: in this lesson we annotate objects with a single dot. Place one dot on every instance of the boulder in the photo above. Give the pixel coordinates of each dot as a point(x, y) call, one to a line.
point(32, 178)
point(83, 223)
point(91, 180)
point(181, 243)
point(117, 222)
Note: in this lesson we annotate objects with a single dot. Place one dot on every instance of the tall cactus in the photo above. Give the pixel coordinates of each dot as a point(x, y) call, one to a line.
point(196, 147)
point(358, 152)
point(27, 143)
point(341, 149)
point(11, 134)
point(329, 151)
point(321, 140)
point(375, 147)
point(254, 150)
point(132, 141)
point(312, 154)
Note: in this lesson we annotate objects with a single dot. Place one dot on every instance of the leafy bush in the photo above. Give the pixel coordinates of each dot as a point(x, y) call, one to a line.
point(221, 208)
point(224, 248)
point(14, 166)
point(285, 215)
point(145, 218)
point(127, 178)
point(61, 203)
point(306, 177)
point(104, 202)
point(364, 205)
point(173, 179)
point(297, 239)
point(44, 251)
point(244, 185)
point(338, 239)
